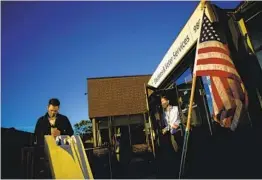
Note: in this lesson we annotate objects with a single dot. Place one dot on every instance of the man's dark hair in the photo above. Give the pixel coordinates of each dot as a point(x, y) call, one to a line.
point(54, 102)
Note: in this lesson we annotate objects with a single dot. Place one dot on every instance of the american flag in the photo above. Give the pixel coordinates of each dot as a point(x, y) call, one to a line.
point(229, 97)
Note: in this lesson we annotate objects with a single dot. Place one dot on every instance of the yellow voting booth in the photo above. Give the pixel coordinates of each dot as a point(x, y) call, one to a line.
point(67, 158)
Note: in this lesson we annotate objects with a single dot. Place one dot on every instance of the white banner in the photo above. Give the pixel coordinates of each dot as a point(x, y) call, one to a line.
point(183, 43)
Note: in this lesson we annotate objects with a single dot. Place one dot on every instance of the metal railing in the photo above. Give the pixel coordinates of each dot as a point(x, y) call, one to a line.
point(34, 163)
point(27, 162)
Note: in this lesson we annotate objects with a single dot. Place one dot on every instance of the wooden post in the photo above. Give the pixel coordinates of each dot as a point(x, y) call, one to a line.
point(99, 140)
point(146, 130)
point(130, 141)
point(149, 121)
point(110, 130)
point(94, 132)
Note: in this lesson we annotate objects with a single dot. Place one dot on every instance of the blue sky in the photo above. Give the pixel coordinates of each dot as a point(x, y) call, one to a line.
point(49, 49)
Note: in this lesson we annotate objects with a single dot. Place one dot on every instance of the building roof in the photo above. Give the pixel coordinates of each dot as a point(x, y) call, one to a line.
point(113, 96)
point(111, 77)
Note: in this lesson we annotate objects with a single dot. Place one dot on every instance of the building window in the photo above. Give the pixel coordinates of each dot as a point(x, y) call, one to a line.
point(184, 85)
point(255, 33)
point(207, 87)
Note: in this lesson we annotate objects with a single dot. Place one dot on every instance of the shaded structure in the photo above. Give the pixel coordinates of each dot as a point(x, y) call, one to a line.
point(12, 143)
point(211, 146)
point(118, 105)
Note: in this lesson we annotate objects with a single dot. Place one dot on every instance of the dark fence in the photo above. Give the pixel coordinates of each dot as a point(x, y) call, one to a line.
point(12, 143)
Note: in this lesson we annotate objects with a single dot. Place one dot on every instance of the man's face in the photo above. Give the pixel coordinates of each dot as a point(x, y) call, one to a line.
point(52, 110)
point(164, 103)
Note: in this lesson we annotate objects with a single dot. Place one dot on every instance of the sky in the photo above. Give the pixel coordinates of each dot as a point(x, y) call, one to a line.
point(49, 49)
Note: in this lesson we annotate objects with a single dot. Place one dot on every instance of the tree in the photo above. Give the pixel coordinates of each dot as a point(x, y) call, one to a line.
point(83, 127)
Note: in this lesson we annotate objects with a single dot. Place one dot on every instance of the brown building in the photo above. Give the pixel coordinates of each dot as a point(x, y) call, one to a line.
point(118, 103)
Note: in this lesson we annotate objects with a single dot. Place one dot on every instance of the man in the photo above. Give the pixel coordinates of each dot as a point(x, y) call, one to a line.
point(52, 123)
point(171, 121)
point(171, 140)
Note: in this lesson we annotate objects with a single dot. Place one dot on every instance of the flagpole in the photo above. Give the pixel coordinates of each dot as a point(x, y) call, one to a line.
point(203, 3)
point(186, 137)
point(191, 103)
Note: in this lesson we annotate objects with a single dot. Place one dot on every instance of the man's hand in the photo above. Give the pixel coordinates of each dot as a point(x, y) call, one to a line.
point(55, 132)
point(175, 126)
point(164, 131)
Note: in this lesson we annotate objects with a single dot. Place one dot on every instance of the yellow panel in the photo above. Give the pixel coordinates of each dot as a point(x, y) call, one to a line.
point(150, 92)
point(243, 30)
point(62, 163)
point(85, 160)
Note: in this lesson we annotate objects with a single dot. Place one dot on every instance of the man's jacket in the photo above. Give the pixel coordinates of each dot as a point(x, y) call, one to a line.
point(43, 127)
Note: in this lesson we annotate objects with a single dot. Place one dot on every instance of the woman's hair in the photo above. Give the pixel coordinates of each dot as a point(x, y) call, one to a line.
point(172, 102)
point(164, 97)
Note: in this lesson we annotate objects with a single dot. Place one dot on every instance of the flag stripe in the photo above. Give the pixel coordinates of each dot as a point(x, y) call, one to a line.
point(215, 108)
point(214, 55)
point(215, 61)
point(239, 94)
point(212, 49)
point(227, 122)
point(217, 73)
point(238, 111)
point(237, 90)
point(222, 92)
point(225, 81)
point(213, 44)
point(217, 67)
point(217, 98)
